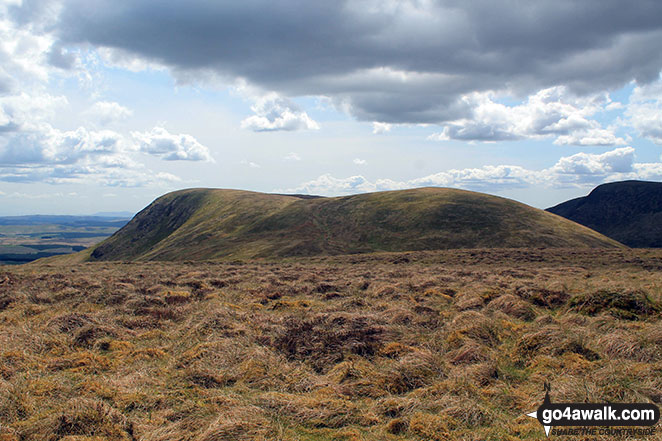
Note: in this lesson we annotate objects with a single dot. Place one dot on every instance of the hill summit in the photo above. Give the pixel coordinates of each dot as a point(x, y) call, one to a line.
point(628, 211)
point(204, 224)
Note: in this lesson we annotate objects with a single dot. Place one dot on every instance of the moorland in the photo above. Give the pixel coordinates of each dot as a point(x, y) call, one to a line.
point(424, 345)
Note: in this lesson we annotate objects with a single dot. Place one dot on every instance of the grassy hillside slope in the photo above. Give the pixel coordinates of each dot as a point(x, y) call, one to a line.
point(628, 211)
point(201, 224)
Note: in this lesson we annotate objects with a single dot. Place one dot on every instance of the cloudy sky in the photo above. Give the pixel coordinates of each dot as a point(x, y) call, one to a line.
point(105, 105)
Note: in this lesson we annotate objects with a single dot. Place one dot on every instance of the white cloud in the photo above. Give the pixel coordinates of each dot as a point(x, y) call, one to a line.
point(49, 155)
point(251, 164)
point(116, 170)
point(327, 185)
point(182, 147)
point(22, 54)
point(380, 127)
point(359, 161)
point(273, 112)
point(484, 178)
point(647, 171)
point(292, 156)
point(107, 112)
point(551, 112)
point(590, 137)
point(591, 168)
point(24, 111)
point(614, 105)
point(48, 145)
point(579, 170)
point(32, 149)
point(644, 112)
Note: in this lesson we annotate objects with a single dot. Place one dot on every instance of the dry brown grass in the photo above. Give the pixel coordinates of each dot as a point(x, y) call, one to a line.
point(411, 346)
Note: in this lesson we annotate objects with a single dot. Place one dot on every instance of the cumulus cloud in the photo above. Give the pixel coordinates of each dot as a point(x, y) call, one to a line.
point(380, 127)
point(49, 145)
point(579, 170)
point(591, 168)
point(292, 156)
point(327, 185)
point(644, 111)
point(590, 137)
point(182, 147)
point(64, 157)
point(21, 55)
point(552, 112)
point(273, 112)
point(397, 62)
point(359, 161)
point(25, 111)
point(107, 112)
point(32, 149)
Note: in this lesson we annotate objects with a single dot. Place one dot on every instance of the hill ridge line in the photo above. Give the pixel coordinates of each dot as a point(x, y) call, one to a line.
point(213, 224)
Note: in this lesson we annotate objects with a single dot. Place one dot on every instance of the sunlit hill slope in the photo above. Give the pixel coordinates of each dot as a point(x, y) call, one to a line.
point(203, 224)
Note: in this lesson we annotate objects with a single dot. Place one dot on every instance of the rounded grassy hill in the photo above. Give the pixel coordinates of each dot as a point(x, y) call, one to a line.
point(208, 224)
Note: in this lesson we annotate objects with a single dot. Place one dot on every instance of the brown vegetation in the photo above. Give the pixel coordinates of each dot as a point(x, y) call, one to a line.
point(452, 345)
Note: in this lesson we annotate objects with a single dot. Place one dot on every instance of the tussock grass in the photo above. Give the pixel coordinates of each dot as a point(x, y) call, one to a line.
point(415, 346)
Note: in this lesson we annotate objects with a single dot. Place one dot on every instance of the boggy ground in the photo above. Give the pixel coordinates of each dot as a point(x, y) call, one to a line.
point(409, 346)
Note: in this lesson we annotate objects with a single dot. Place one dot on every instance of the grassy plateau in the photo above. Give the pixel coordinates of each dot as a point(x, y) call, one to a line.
point(423, 345)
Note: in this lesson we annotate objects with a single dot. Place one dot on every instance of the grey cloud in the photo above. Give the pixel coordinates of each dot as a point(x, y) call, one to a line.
point(30, 12)
point(6, 84)
point(9, 127)
point(443, 49)
point(58, 57)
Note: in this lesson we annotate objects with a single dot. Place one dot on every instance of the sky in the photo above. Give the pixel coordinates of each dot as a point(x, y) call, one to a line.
point(106, 105)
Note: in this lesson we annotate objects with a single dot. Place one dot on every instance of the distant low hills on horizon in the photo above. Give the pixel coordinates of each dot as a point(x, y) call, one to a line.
point(215, 224)
point(628, 211)
point(24, 239)
point(99, 219)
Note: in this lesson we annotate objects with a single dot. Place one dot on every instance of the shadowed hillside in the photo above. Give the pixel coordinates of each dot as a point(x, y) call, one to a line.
point(201, 224)
point(629, 212)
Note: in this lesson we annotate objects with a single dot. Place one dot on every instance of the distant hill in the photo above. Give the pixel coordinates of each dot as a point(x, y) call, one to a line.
point(629, 212)
point(70, 221)
point(115, 214)
point(202, 224)
point(27, 238)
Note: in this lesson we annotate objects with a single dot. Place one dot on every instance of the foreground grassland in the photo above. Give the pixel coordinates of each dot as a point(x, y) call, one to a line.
point(405, 346)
